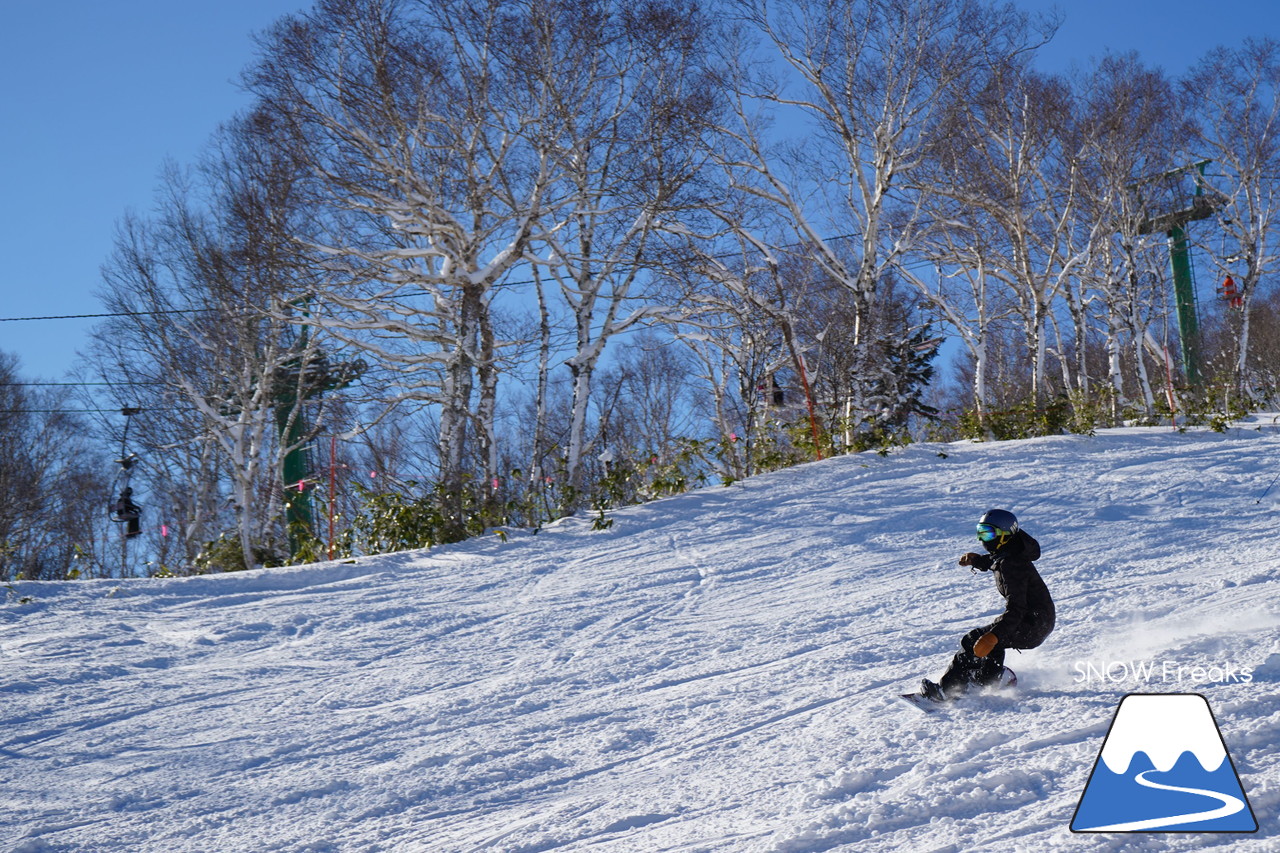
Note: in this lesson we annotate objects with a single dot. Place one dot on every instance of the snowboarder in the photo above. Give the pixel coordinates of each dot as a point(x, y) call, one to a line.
point(1028, 614)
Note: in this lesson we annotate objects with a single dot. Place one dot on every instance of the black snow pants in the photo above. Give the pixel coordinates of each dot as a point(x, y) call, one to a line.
point(968, 670)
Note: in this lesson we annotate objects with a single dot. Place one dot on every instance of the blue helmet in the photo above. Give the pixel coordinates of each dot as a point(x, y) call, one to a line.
point(997, 525)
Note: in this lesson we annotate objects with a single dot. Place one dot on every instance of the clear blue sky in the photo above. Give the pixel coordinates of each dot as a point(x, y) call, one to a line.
point(96, 95)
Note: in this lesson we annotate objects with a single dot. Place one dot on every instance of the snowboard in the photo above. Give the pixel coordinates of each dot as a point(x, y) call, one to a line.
point(929, 706)
point(918, 700)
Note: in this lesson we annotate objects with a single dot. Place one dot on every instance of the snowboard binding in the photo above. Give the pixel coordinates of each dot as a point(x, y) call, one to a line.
point(931, 695)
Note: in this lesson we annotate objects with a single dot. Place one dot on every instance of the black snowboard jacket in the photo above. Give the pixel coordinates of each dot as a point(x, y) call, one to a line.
point(1029, 613)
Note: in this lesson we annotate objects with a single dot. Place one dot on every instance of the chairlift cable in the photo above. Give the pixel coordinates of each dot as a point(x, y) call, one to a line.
point(109, 314)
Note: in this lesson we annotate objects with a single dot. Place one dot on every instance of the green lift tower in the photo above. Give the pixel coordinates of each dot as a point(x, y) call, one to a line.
point(1176, 198)
point(298, 381)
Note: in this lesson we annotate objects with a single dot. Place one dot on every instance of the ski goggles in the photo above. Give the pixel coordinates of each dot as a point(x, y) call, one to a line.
point(988, 532)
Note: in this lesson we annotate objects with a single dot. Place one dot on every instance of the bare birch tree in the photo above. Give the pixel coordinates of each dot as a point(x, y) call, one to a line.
point(1130, 120)
point(1016, 166)
point(874, 81)
point(52, 527)
point(950, 272)
point(745, 292)
point(200, 290)
point(420, 143)
point(456, 142)
point(1234, 93)
point(733, 328)
point(630, 98)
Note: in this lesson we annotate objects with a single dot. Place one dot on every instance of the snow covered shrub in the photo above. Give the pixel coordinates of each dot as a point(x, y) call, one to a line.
point(882, 439)
point(1025, 419)
point(402, 520)
point(655, 475)
point(1215, 404)
point(224, 554)
point(1090, 411)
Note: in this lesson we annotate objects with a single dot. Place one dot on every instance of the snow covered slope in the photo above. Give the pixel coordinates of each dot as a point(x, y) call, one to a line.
point(717, 672)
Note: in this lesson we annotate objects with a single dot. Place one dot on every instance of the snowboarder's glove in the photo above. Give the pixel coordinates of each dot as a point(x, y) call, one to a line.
point(985, 644)
point(967, 559)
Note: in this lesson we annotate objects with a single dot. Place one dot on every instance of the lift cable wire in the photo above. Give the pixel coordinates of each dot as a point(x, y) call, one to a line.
point(106, 315)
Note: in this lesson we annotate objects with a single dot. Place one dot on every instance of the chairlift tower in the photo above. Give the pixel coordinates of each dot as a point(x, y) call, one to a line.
point(308, 374)
point(1172, 208)
point(297, 382)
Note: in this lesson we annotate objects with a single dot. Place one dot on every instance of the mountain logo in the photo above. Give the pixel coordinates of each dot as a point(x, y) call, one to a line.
point(1164, 767)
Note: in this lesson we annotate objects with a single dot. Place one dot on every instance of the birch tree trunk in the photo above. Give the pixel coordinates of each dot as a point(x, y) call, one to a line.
point(219, 260)
point(876, 80)
point(1234, 93)
point(425, 137)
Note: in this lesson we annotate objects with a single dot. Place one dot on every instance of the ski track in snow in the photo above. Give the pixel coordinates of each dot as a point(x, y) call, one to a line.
point(717, 672)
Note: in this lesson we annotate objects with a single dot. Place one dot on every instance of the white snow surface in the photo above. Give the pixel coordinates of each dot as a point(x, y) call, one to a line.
point(717, 672)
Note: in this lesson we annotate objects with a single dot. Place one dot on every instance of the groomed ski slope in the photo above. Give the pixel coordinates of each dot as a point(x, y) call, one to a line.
point(717, 672)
